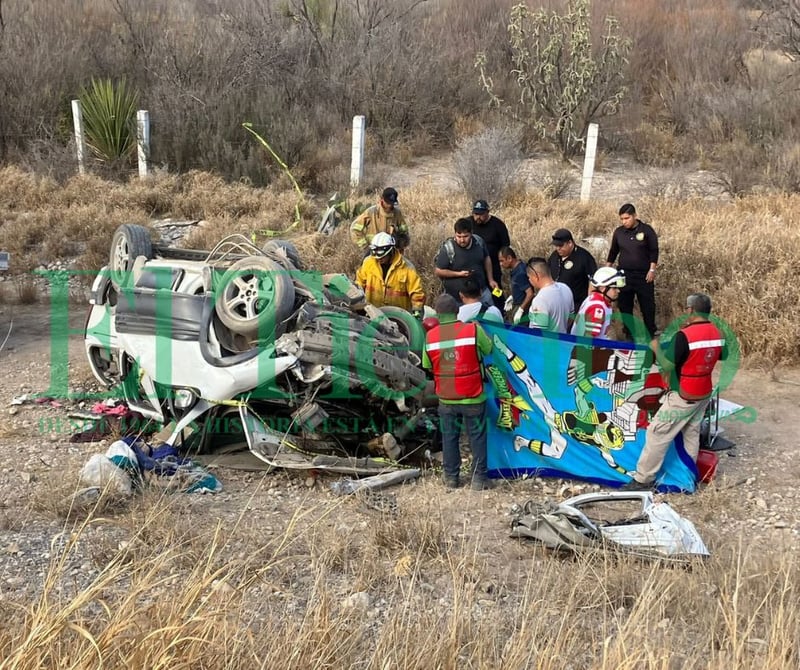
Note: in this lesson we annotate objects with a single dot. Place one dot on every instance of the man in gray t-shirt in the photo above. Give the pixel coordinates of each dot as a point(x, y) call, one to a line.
point(553, 304)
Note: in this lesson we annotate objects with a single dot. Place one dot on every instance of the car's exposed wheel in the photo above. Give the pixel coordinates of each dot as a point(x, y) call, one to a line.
point(409, 326)
point(282, 251)
point(254, 297)
point(129, 242)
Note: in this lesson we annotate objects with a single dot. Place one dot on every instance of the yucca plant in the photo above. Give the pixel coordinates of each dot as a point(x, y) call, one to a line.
point(109, 118)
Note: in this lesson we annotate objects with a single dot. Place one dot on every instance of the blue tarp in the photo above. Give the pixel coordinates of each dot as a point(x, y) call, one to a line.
point(572, 407)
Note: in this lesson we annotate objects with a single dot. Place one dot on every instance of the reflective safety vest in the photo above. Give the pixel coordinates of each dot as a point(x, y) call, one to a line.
point(594, 317)
point(453, 350)
point(705, 349)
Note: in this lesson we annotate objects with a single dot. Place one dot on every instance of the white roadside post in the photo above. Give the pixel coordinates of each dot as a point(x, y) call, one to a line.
point(588, 161)
point(357, 157)
point(143, 140)
point(80, 142)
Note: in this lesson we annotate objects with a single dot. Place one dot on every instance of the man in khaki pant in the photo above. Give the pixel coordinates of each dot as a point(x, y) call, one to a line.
point(697, 347)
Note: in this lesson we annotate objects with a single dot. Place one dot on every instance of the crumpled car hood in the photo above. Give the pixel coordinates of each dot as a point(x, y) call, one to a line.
point(651, 528)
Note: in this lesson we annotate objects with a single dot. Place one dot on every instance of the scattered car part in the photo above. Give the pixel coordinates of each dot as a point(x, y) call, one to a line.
point(346, 486)
point(653, 529)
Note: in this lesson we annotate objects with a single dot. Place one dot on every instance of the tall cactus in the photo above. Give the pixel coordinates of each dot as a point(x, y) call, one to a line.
point(564, 80)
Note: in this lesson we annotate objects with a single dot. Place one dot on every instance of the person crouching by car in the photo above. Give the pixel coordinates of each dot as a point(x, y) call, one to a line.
point(388, 278)
point(454, 352)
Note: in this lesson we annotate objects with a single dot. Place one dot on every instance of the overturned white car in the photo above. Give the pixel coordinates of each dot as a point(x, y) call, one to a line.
point(244, 342)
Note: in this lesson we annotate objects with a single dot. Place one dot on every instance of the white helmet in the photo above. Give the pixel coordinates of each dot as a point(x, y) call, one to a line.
point(609, 277)
point(382, 244)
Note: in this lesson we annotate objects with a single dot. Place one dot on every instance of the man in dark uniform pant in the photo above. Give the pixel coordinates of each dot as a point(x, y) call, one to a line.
point(495, 233)
point(571, 265)
point(636, 245)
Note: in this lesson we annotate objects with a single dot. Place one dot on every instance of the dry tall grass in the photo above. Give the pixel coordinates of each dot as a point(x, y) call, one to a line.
point(327, 586)
point(742, 252)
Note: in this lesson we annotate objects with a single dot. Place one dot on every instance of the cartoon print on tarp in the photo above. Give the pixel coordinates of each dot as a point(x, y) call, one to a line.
point(510, 403)
point(575, 407)
point(555, 446)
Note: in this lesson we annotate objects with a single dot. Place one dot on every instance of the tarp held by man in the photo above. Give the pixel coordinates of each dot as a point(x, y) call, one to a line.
point(573, 407)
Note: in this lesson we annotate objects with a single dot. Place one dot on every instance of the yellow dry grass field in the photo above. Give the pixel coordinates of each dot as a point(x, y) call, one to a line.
point(274, 575)
point(744, 252)
point(328, 585)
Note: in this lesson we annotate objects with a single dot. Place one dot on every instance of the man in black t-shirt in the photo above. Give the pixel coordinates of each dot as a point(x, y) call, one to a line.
point(571, 265)
point(636, 245)
point(495, 234)
point(461, 256)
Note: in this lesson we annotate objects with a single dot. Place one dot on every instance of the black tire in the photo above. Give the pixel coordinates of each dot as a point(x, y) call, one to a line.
point(128, 243)
point(254, 297)
point(409, 326)
point(281, 250)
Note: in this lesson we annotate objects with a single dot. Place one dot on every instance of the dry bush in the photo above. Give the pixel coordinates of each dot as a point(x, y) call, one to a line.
point(557, 179)
point(783, 166)
point(27, 290)
point(738, 166)
point(485, 163)
point(680, 48)
point(660, 145)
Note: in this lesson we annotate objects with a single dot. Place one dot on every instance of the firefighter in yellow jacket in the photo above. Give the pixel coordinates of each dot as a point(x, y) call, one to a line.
point(385, 217)
point(388, 278)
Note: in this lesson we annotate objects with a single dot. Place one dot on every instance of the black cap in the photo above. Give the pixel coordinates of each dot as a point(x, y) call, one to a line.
point(562, 236)
point(389, 195)
point(480, 207)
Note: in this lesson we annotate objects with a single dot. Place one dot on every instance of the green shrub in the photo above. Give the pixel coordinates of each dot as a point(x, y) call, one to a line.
point(109, 118)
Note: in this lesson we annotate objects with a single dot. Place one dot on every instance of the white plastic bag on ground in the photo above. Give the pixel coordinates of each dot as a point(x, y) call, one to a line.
point(101, 472)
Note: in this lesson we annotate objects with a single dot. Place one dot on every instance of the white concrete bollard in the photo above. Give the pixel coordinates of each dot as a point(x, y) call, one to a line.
point(588, 161)
point(357, 157)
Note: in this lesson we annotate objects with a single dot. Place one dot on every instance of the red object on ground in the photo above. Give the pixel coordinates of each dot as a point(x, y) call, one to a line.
point(707, 462)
